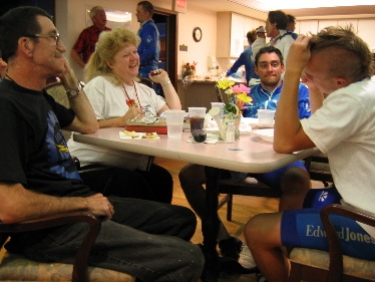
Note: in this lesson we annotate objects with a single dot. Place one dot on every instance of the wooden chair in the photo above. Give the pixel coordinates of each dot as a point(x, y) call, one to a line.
point(332, 266)
point(231, 187)
point(15, 267)
point(318, 168)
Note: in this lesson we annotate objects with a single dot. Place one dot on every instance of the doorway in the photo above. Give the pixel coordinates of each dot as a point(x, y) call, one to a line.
point(166, 22)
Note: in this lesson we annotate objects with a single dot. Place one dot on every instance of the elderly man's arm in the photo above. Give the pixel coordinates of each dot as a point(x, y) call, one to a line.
point(77, 58)
point(289, 134)
point(20, 204)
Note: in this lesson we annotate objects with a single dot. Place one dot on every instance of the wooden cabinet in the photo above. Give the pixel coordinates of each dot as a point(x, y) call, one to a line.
point(363, 27)
point(231, 33)
point(197, 94)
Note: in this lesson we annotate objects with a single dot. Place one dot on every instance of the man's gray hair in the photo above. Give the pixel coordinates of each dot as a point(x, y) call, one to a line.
point(94, 9)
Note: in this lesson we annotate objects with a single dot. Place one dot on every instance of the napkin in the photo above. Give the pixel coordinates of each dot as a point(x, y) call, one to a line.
point(211, 139)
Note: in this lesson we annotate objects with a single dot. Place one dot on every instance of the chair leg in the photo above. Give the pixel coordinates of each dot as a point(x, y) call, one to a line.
point(229, 207)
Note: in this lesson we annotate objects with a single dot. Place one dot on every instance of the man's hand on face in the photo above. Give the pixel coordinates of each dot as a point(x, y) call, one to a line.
point(299, 53)
point(68, 77)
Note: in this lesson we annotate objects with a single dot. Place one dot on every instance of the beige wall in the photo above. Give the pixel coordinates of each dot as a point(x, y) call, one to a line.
point(70, 20)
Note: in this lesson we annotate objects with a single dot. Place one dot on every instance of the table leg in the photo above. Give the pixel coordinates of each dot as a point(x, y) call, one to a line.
point(210, 228)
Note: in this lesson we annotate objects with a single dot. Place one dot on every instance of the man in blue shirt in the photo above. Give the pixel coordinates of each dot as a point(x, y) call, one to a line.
point(149, 48)
point(293, 180)
point(245, 59)
point(269, 66)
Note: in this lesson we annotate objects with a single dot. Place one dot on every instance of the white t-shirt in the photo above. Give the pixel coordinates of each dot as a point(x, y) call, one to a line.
point(344, 129)
point(109, 101)
point(259, 43)
point(284, 44)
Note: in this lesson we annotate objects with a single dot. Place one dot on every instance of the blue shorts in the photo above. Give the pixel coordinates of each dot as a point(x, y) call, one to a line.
point(303, 228)
point(273, 178)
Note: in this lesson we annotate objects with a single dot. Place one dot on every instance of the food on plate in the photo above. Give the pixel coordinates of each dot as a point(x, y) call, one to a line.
point(150, 135)
point(207, 77)
point(132, 134)
point(141, 135)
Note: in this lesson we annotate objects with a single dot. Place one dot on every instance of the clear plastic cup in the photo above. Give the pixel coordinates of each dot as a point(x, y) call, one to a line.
point(266, 118)
point(175, 123)
point(196, 117)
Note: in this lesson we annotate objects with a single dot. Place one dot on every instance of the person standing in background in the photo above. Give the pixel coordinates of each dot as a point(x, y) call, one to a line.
point(276, 24)
point(291, 27)
point(149, 49)
point(260, 42)
point(245, 59)
point(85, 44)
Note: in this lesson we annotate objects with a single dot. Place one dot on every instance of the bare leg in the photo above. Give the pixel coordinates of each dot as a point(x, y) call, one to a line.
point(262, 234)
point(295, 185)
point(192, 177)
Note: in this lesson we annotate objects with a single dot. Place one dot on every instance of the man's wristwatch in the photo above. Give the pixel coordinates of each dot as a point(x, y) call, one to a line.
point(73, 92)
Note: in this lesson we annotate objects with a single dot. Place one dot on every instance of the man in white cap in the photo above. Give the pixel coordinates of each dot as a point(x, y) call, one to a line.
point(260, 42)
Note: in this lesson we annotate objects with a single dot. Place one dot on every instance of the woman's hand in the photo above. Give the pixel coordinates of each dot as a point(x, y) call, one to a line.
point(159, 76)
point(132, 112)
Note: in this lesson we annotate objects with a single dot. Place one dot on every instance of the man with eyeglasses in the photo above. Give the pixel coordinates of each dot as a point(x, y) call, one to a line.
point(85, 44)
point(38, 177)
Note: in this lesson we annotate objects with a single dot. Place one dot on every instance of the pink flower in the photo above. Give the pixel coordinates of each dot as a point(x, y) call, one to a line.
point(240, 88)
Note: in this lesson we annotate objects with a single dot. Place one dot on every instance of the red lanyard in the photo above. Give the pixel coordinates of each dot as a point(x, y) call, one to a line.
point(132, 102)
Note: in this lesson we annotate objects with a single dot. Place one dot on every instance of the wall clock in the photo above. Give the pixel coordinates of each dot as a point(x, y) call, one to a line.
point(197, 34)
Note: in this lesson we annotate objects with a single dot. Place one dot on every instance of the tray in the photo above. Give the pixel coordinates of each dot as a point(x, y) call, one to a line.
point(159, 129)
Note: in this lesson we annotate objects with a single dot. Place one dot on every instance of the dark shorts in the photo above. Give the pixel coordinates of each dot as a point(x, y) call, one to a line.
point(303, 228)
point(273, 178)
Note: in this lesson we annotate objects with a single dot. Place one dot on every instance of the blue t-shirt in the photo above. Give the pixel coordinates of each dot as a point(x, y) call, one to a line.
point(264, 99)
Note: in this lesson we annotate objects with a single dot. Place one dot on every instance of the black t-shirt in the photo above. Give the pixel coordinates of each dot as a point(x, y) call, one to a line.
point(33, 150)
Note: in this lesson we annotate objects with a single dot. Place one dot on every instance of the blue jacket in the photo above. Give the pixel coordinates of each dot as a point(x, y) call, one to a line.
point(244, 60)
point(262, 98)
point(149, 49)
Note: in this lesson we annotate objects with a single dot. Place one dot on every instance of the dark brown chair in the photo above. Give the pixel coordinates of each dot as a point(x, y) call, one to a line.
point(332, 266)
point(231, 187)
point(15, 267)
point(318, 167)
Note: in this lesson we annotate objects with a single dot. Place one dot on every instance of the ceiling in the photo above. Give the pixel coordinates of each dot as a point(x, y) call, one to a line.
point(249, 7)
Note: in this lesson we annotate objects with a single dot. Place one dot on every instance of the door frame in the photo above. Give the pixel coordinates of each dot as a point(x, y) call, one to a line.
point(171, 43)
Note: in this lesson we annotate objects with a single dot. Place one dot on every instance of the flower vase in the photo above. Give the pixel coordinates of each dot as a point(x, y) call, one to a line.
point(188, 73)
point(231, 123)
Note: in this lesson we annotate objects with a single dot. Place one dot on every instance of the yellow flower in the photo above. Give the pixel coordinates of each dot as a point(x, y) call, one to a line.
point(224, 83)
point(238, 95)
point(244, 98)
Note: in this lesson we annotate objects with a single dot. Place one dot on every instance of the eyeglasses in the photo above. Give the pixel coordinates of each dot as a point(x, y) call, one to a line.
point(55, 36)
